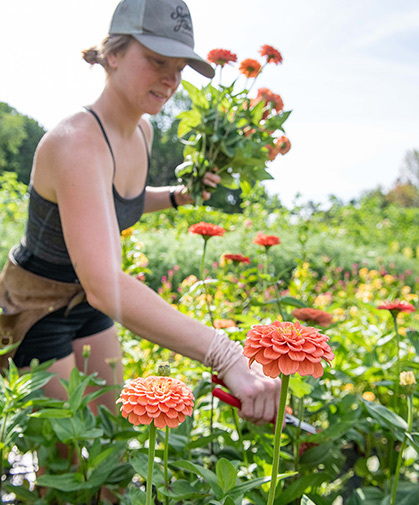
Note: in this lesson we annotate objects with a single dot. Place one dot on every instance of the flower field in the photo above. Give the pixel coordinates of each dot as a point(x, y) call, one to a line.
point(351, 273)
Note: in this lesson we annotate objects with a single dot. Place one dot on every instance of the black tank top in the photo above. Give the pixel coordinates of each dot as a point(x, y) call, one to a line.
point(43, 250)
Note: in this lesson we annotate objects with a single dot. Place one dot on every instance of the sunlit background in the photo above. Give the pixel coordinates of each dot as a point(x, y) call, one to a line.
point(350, 74)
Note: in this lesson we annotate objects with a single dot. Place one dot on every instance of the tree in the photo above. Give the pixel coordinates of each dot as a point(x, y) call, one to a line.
point(19, 136)
point(410, 169)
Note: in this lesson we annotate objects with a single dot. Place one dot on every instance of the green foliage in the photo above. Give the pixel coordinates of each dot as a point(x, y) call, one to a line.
point(19, 136)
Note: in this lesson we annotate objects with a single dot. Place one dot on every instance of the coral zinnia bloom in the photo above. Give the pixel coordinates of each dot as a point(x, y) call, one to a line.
point(219, 324)
point(270, 98)
point(163, 399)
point(206, 229)
point(250, 68)
point(314, 316)
point(283, 145)
point(237, 258)
point(288, 348)
point(272, 54)
point(266, 240)
point(397, 306)
point(221, 57)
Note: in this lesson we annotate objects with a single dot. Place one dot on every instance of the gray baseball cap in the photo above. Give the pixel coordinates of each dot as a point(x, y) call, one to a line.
point(163, 26)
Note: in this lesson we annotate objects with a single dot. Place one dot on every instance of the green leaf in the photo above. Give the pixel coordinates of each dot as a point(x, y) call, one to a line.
point(226, 474)
point(206, 474)
point(196, 95)
point(64, 482)
point(181, 490)
point(367, 496)
point(384, 416)
point(140, 464)
point(22, 493)
point(52, 413)
point(297, 488)
point(299, 387)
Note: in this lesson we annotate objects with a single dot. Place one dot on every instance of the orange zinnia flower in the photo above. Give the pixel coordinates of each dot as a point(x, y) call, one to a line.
point(206, 229)
point(237, 258)
point(272, 54)
point(250, 68)
point(266, 240)
point(283, 145)
point(219, 324)
point(221, 57)
point(397, 306)
point(163, 399)
point(270, 98)
point(288, 348)
point(313, 316)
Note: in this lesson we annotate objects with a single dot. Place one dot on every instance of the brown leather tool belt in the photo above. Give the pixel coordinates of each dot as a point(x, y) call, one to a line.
point(25, 298)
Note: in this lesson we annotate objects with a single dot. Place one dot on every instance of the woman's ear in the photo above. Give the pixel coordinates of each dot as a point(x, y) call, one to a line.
point(112, 59)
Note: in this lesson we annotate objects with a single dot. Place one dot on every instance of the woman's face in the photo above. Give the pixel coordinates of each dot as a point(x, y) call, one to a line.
point(144, 78)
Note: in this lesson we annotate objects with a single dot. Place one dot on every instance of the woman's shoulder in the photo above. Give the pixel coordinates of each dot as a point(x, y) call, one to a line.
point(147, 128)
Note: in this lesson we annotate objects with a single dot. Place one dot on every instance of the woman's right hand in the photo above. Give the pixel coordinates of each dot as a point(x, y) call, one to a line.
point(259, 394)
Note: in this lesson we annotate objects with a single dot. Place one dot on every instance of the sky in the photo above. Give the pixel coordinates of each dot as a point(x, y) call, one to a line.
point(350, 75)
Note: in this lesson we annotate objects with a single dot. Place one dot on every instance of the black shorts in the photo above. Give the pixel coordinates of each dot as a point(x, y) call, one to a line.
point(52, 336)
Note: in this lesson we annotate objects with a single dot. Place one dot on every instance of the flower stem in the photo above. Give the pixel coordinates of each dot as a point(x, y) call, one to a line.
point(239, 434)
point(151, 452)
point(166, 457)
point(403, 447)
point(278, 434)
point(396, 383)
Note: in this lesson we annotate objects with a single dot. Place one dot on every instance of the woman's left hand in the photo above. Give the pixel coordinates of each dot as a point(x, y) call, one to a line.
point(211, 179)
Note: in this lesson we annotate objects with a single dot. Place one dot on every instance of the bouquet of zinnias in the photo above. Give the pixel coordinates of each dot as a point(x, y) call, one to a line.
point(230, 132)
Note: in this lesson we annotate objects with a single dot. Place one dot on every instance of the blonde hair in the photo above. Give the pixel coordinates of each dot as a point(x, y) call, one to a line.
point(111, 44)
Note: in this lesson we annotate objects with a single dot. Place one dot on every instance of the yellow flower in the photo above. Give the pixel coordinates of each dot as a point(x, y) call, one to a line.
point(402, 332)
point(377, 284)
point(369, 395)
point(407, 252)
point(353, 311)
point(127, 232)
point(348, 387)
point(407, 378)
point(373, 274)
point(405, 290)
point(363, 272)
point(388, 279)
point(411, 297)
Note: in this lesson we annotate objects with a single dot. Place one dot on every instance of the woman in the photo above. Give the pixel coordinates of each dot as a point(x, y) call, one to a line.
point(89, 181)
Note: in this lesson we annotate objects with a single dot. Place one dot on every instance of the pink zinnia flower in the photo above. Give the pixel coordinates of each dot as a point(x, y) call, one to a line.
point(272, 54)
point(163, 399)
point(287, 348)
point(237, 258)
point(266, 240)
point(397, 306)
point(206, 229)
point(313, 316)
point(221, 57)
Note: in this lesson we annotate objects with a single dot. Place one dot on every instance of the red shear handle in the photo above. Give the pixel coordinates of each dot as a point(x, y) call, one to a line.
point(227, 398)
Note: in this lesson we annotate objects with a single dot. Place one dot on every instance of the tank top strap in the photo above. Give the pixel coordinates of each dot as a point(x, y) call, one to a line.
point(104, 135)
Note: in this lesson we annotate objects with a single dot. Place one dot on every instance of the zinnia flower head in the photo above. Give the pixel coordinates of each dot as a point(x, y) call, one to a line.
point(407, 378)
point(206, 229)
point(283, 145)
point(271, 99)
point(163, 399)
point(288, 348)
point(221, 57)
point(272, 54)
point(397, 306)
point(220, 324)
point(313, 316)
point(250, 67)
point(237, 258)
point(266, 240)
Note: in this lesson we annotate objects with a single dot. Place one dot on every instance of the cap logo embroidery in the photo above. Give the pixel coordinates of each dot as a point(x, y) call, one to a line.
point(184, 21)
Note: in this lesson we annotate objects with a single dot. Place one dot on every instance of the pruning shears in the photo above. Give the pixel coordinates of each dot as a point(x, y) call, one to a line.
point(235, 402)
